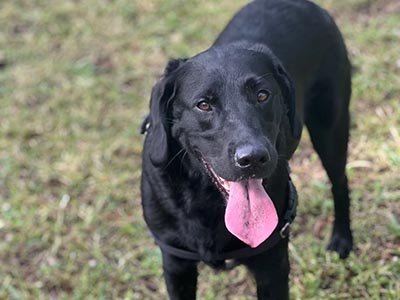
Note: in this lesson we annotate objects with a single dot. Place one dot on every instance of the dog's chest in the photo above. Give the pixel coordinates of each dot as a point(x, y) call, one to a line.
point(201, 224)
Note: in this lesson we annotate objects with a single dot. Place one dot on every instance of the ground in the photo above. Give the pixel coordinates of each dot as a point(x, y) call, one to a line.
point(75, 79)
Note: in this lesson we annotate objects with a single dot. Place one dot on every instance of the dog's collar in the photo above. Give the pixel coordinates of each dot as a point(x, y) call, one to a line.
point(281, 232)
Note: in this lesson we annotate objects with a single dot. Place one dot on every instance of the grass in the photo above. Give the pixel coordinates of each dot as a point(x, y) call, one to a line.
point(75, 79)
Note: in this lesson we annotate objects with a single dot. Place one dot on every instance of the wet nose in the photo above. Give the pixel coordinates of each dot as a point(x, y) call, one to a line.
point(249, 156)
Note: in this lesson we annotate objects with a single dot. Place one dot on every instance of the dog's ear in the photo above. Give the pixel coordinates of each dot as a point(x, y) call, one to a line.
point(162, 94)
point(289, 95)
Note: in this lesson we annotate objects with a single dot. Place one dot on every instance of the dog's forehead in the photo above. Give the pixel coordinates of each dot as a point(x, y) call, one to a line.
point(232, 60)
point(212, 69)
point(199, 80)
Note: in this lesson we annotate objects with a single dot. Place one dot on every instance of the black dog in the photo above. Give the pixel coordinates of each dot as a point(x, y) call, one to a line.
point(222, 127)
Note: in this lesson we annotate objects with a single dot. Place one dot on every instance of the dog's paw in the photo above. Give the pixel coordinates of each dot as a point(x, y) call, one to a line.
point(341, 243)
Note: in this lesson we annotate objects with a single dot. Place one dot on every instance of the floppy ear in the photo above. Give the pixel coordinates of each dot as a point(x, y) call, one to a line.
point(162, 94)
point(289, 95)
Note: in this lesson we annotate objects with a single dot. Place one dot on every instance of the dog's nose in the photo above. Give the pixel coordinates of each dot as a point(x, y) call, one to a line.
point(251, 156)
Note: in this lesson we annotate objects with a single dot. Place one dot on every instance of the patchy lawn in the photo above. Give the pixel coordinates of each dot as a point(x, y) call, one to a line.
point(75, 79)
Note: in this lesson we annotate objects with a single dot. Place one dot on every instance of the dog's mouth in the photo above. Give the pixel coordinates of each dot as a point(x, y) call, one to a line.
point(250, 214)
point(222, 184)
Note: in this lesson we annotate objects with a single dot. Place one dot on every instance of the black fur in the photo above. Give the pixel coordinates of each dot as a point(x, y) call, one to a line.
point(291, 48)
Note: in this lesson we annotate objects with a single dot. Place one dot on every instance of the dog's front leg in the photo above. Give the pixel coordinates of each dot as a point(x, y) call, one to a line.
point(271, 272)
point(180, 277)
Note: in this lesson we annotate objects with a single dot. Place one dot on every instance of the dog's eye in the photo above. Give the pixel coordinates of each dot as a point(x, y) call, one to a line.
point(263, 96)
point(204, 105)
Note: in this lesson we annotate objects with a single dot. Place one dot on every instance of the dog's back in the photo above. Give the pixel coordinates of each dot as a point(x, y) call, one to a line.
point(301, 34)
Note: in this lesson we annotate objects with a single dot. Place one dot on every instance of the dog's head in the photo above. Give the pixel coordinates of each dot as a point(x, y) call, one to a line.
point(227, 108)
point(233, 110)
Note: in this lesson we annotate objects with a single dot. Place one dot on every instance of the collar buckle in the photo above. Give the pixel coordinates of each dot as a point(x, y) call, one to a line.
point(284, 231)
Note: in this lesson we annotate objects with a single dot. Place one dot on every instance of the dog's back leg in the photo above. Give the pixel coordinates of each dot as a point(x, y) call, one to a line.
point(327, 120)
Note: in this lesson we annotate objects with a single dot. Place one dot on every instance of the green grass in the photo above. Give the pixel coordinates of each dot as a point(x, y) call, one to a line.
point(75, 79)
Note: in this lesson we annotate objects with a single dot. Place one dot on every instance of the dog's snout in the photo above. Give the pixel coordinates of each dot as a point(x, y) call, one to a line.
point(251, 156)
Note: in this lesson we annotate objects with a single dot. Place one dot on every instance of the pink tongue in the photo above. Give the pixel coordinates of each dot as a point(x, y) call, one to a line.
point(250, 214)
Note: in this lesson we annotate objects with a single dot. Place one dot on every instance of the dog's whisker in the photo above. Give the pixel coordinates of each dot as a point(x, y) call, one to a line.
point(175, 156)
point(181, 163)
